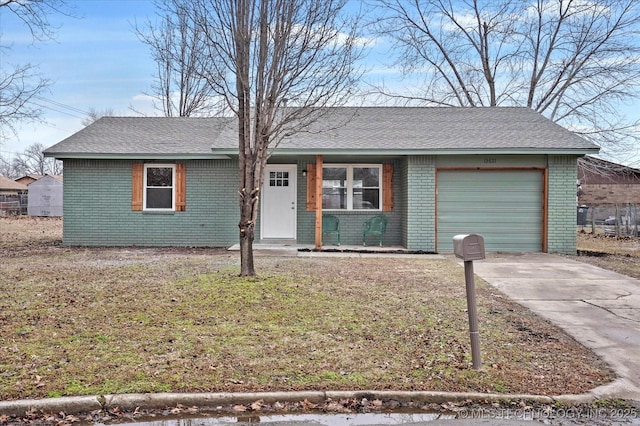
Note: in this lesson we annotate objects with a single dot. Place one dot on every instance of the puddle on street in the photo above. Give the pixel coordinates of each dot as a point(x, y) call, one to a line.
point(351, 419)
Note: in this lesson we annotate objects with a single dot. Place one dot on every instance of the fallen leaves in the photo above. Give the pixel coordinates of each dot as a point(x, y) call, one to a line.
point(254, 411)
point(308, 405)
point(38, 381)
point(91, 321)
point(344, 405)
point(257, 406)
point(181, 409)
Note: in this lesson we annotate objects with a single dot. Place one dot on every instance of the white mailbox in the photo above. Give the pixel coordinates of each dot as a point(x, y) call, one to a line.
point(469, 246)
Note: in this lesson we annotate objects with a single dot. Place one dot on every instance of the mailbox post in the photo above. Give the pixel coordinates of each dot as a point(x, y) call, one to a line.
point(470, 247)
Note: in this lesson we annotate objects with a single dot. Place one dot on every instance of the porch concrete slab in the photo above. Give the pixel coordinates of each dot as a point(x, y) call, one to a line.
point(277, 245)
point(597, 307)
point(377, 254)
point(308, 250)
point(349, 248)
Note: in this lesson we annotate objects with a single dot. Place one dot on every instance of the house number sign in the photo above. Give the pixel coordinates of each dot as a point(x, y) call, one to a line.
point(490, 160)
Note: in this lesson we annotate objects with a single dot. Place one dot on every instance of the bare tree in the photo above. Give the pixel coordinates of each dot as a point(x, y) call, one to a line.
point(19, 84)
point(34, 14)
point(575, 61)
point(263, 55)
point(5, 168)
point(33, 161)
point(180, 90)
point(94, 115)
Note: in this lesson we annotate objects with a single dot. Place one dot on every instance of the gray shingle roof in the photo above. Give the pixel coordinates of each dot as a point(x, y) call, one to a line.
point(375, 129)
point(142, 135)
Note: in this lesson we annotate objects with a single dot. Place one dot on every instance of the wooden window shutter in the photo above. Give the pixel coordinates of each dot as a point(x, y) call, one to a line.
point(387, 187)
point(311, 187)
point(137, 181)
point(181, 187)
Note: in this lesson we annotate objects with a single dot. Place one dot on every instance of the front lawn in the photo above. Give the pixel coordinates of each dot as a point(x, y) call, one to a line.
point(77, 321)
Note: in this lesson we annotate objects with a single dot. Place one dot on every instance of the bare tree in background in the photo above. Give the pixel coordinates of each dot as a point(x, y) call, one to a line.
point(33, 161)
point(18, 87)
point(262, 56)
point(577, 62)
point(21, 83)
point(177, 47)
point(5, 168)
point(95, 115)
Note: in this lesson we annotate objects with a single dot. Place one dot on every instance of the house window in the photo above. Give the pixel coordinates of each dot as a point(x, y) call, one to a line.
point(159, 186)
point(351, 187)
point(278, 178)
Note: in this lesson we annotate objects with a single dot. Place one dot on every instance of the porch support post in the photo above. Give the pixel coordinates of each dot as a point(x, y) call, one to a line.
point(318, 202)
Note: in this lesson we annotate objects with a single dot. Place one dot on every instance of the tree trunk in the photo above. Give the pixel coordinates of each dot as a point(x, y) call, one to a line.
point(247, 225)
point(247, 228)
point(246, 252)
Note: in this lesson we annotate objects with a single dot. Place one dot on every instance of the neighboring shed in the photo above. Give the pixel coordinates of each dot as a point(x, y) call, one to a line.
point(45, 196)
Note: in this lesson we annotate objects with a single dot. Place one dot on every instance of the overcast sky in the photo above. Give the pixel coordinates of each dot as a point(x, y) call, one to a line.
point(97, 61)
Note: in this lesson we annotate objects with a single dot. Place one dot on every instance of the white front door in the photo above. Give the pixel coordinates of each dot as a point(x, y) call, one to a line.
point(279, 202)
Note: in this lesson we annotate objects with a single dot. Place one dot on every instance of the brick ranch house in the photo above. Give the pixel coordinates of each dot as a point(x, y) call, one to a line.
point(506, 173)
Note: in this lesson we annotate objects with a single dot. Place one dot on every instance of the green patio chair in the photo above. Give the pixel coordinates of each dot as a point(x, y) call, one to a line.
point(377, 226)
point(330, 226)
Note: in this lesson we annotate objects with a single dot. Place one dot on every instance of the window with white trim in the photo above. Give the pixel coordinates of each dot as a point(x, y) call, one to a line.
point(351, 187)
point(159, 187)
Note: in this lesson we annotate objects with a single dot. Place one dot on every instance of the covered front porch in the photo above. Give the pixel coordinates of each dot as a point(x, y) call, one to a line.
point(293, 246)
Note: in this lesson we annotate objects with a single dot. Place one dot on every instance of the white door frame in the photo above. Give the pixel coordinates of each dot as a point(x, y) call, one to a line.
point(282, 210)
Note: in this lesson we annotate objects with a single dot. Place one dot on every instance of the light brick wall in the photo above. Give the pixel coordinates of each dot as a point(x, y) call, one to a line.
point(404, 177)
point(561, 208)
point(97, 208)
point(419, 176)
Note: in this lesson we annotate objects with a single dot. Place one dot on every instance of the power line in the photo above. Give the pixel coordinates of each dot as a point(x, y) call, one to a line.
point(62, 108)
point(58, 110)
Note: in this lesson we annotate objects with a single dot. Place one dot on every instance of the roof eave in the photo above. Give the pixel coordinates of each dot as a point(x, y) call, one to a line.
point(135, 156)
point(407, 152)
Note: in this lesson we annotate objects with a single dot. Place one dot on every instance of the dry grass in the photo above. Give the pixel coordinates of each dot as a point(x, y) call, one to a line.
point(620, 254)
point(22, 232)
point(90, 321)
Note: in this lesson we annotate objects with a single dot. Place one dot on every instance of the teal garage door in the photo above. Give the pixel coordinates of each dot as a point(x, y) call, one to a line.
point(505, 207)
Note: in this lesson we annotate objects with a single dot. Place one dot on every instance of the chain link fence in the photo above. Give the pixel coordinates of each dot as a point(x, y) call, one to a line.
point(615, 220)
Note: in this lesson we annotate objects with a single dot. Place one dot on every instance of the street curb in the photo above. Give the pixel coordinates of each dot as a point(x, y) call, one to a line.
point(86, 404)
point(70, 405)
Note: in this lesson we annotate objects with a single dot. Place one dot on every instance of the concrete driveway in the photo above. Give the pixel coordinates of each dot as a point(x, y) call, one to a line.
point(599, 308)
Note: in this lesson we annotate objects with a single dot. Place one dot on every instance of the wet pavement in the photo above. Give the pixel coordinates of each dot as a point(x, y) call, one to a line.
point(351, 419)
point(498, 417)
